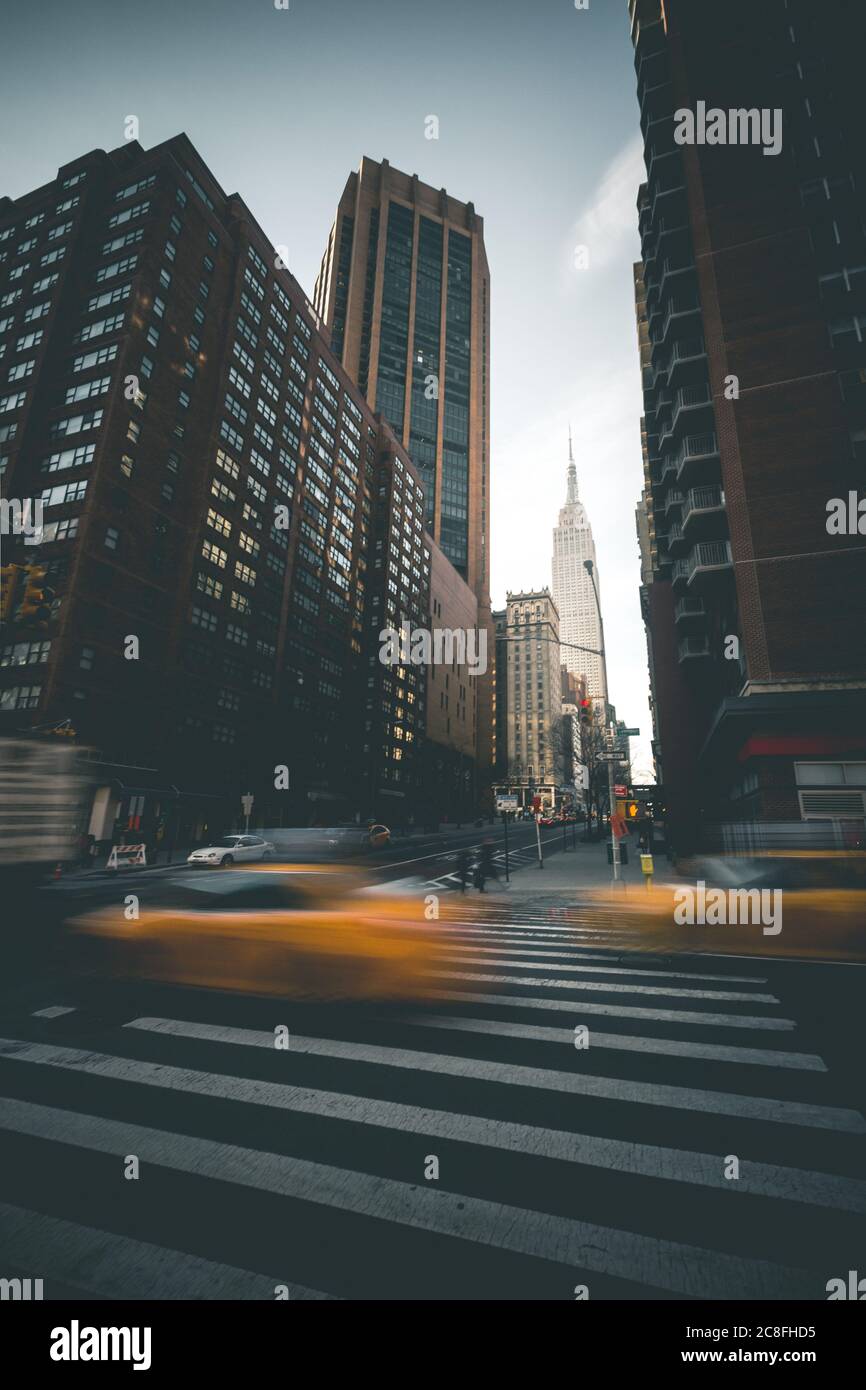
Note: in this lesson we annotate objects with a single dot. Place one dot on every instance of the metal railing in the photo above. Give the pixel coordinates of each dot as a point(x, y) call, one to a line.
point(696, 446)
point(702, 499)
point(689, 608)
point(710, 555)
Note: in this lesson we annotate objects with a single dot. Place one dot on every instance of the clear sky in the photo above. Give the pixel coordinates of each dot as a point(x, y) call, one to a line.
point(538, 126)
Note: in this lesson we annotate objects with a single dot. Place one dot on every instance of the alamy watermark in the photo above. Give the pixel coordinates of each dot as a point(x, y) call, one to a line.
point(22, 518)
point(77, 1343)
point(720, 907)
point(737, 126)
point(419, 646)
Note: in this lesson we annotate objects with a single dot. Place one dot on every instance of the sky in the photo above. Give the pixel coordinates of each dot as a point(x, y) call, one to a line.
point(538, 127)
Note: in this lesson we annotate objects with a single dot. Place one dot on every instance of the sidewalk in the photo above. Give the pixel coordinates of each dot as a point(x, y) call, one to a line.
point(567, 872)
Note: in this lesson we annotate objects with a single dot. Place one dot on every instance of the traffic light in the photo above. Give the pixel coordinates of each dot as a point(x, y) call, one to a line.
point(10, 576)
point(35, 608)
point(586, 711)
point(632, 810)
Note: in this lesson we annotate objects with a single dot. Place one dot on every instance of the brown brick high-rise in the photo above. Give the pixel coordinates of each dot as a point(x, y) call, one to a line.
point(754, 266)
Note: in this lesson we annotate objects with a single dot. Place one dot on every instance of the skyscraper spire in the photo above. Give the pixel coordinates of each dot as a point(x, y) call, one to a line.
point(571, 494)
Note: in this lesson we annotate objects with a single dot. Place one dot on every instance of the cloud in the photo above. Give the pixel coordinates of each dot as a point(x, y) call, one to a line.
point(608, 222)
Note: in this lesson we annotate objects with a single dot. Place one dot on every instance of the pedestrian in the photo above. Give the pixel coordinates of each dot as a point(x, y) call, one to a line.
point(463, 867)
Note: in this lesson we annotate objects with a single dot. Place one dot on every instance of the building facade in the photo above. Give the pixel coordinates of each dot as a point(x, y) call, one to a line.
point(573, 594)
point(404, 288)
point(220, 521)
point(534, 694)
point(755, 405)
point(452, 696)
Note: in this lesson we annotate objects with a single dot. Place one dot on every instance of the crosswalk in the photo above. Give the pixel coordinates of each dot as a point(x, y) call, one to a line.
point(565, 1114)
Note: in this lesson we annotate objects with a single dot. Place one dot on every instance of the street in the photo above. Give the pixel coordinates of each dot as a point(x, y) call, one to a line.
point(463, 1149)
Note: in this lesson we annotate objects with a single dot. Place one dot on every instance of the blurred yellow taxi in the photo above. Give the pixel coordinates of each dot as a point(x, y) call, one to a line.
point(303, 932)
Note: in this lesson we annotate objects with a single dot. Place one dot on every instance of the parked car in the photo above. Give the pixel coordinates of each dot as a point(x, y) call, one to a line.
point(548, 819)
point(231, 849)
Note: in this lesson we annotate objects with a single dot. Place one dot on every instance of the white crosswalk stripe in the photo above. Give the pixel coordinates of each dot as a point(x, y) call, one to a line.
point(498, 1099)
point(730, 996)
point(111, 1266)
point(608, 1088)
point(668, 1265)
point(704, 1052)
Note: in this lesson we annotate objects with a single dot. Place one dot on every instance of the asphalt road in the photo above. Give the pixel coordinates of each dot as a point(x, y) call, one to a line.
point(467, 1149)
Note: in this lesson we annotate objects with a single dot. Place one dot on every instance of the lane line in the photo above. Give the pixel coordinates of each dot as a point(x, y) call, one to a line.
point(577, 1245)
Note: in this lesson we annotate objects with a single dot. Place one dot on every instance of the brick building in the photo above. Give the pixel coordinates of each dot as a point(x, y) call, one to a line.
point(755, 406)
point(220, 525)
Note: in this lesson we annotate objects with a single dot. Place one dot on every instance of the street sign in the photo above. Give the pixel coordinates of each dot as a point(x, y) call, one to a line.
point(247, 804)
point(630, 733)
point(507, 803)
point(620, 789)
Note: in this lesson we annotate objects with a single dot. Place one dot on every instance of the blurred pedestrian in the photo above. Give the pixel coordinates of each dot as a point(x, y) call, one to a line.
point(464, 864)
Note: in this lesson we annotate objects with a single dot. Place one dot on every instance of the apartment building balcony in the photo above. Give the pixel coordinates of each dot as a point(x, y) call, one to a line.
point(685, 351)
point(703, 502)
point(680, 570)
point(673, 498)
point(666, 468)
point(687, 398)
point(695, 453)
point(709, 557)
point(656, 99)
point(689, 611)
point(679, 307)
point(690, 647)
point(675, 540)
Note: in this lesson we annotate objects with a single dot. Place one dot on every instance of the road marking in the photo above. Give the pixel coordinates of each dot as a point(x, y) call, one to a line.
point(480, 1069)
point(602, 969)
point(638, 1011)
point(676, 991)
point(113, 1266)
point(555, 935)
point(577, 1245)
point(53, 1011)
point(707, 1052)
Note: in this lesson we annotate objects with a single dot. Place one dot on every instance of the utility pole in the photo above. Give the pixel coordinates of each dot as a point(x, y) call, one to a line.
point(614, 842)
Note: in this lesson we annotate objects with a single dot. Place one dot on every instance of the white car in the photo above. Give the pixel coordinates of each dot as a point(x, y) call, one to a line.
point(232, 849)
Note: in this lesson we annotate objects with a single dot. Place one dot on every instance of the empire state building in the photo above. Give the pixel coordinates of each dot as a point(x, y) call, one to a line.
point(572, 589)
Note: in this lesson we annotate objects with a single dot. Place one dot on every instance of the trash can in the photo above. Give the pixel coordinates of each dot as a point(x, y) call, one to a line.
point(623, 852)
